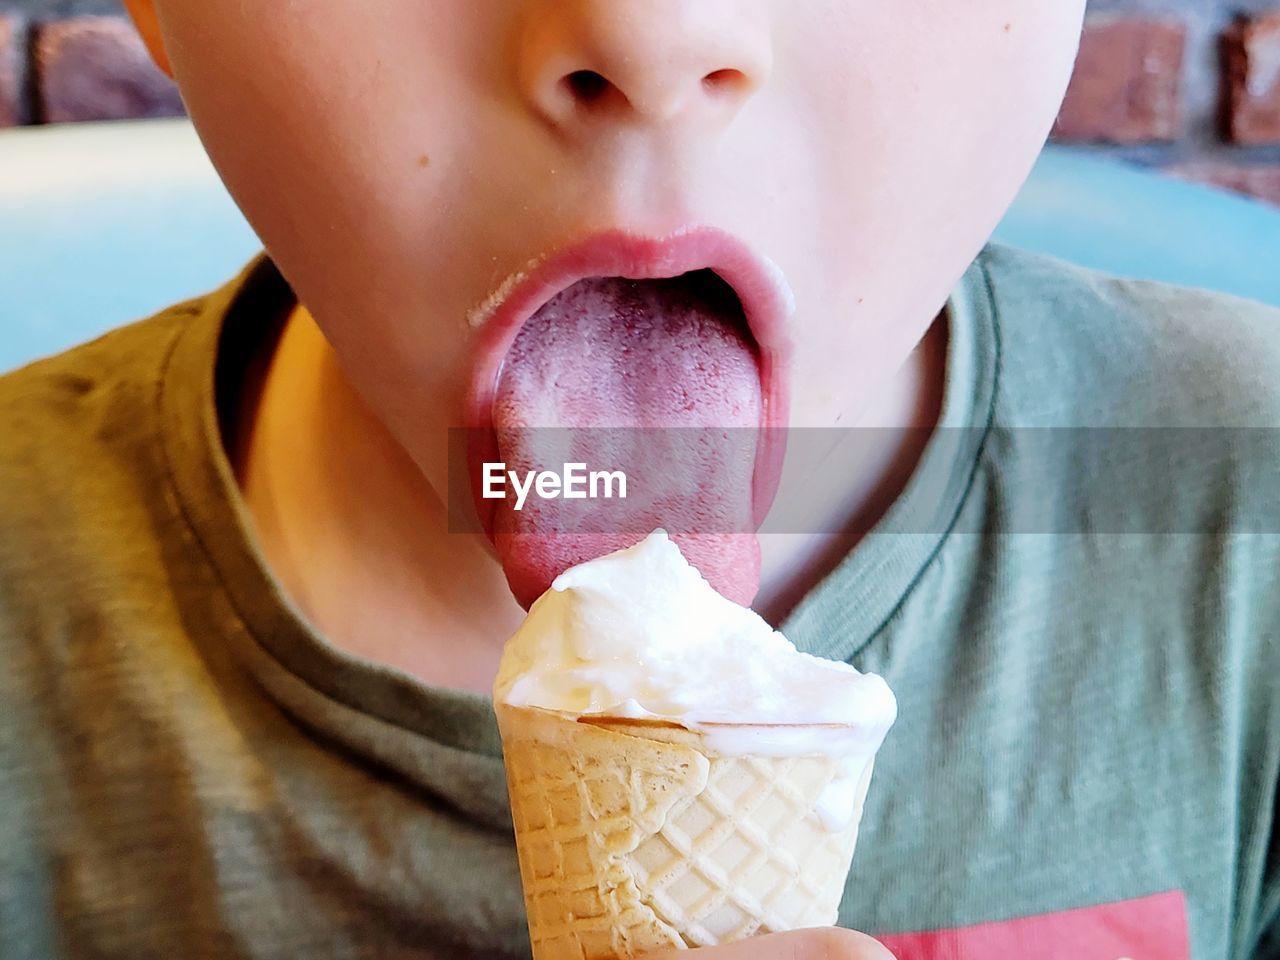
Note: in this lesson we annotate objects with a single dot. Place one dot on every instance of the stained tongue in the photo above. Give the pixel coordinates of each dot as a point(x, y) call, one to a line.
point(642, 377)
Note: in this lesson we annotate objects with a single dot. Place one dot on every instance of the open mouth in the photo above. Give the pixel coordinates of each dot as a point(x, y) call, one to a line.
point(661, 361)
point(614, 352)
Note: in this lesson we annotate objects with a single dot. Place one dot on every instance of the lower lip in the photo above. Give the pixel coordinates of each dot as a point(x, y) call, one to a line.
point(618, 254)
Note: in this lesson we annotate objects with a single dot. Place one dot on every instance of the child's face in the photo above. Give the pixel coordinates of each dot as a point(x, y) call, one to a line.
point(402, 158)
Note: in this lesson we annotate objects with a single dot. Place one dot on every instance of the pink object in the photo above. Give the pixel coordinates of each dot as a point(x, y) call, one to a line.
point(662, 357)
point(1150, 928)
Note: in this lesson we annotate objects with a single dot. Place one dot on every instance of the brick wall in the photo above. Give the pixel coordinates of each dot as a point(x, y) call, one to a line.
point(1190, 86)
point(66, 60)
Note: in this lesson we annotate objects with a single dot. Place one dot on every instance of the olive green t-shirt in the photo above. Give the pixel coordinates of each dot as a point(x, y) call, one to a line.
point(1076, 599)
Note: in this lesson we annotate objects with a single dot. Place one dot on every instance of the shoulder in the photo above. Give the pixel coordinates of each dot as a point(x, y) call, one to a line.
point(122, 359)
point(79, 458)
point(56, 410)
point(1084, 348)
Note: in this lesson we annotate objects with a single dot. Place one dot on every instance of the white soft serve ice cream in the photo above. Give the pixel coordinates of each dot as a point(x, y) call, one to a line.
point(639, 633)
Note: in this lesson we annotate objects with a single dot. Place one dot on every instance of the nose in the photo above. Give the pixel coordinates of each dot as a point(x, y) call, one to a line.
point(642, 61)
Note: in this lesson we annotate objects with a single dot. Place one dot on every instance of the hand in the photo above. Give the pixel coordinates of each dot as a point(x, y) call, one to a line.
point(824, 943)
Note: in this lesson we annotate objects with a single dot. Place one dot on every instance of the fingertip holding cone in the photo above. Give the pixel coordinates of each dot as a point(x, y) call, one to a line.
point(637, 836)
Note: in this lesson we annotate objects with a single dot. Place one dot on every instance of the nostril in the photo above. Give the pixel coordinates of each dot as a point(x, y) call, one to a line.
point(586, 86)
point(725, 81)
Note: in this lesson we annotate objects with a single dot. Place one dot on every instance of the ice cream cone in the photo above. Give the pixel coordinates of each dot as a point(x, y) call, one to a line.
point(637, 835)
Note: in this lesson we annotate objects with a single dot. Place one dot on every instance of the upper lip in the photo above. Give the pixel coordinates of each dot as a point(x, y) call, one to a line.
point(760, 286)
point(766, 300)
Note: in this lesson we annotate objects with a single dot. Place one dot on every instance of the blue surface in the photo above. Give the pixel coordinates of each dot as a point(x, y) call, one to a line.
point(101, 224)
point(1136, 223)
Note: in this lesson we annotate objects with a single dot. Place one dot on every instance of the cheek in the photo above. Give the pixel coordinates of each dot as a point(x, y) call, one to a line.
point(320, 133)
point(925, 119)
point(343, 145)
point(951, 98)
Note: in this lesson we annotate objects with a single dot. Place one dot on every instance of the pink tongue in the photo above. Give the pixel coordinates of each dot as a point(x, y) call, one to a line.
point(629, 375)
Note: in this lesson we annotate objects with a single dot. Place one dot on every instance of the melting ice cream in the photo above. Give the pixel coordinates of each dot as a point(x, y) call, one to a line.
point(640, 634)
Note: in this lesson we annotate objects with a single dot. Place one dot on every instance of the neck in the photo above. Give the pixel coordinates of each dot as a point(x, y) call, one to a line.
point(837, 483)
point(355, 535)
point(360, 541)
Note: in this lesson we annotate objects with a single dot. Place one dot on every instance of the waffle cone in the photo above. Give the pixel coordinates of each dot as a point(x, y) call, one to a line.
point(635, 836)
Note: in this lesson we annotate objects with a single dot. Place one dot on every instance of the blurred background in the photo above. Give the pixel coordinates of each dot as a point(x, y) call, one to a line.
point(1189, 86)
